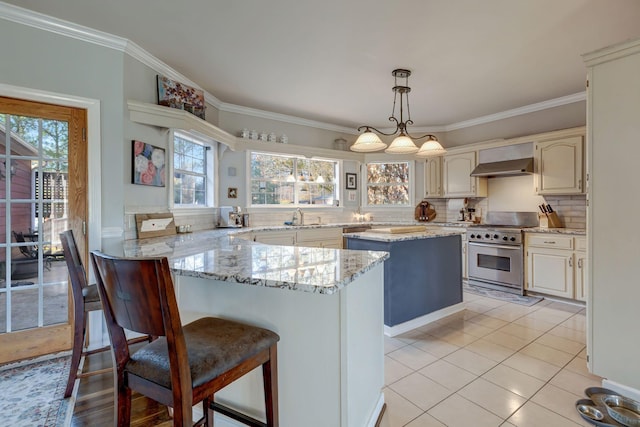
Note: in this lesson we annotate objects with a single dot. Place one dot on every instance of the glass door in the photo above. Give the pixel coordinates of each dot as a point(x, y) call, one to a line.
point(37, 141)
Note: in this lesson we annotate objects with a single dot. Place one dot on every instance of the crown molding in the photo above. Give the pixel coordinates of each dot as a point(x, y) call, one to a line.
point(69, 29)
point(531, 108)
point(610, 53)
point(231, 108)
point(65, 28)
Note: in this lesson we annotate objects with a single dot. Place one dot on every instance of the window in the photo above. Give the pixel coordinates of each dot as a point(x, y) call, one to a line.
point(290, 180)
point(192, 172)
point(389, 183)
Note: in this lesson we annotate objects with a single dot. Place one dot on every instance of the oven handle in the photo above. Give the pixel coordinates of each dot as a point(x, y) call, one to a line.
point(489, 245)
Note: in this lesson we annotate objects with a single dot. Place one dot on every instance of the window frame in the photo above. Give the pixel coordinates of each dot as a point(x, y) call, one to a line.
point(337, 182)
point(211, 170)
point(365, 185)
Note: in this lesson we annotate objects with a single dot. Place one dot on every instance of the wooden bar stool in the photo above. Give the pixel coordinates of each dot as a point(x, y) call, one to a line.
point(85, 299)
point(186, 364)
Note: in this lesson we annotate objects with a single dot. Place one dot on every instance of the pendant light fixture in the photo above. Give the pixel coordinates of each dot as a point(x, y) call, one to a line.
point(368, 141)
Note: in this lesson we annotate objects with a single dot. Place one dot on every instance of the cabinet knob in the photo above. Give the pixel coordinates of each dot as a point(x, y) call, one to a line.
point(570, 262)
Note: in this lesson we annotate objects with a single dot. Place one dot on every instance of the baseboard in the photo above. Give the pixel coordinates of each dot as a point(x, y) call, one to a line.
point(624, 390)
point(220, 420)
point(375, 419)
point(392, 331)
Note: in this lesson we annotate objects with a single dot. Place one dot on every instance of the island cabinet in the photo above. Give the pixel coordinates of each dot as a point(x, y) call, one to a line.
point(457, 178)
point(558, 165)
point(422, 276)
point(325, 304)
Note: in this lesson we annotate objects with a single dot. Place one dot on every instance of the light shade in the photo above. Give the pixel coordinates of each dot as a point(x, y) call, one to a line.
point(368, 142)
point(402, 145)
point(431, 147)
point(320, 179)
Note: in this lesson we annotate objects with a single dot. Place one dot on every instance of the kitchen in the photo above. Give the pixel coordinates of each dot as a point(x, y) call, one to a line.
point(123, 200)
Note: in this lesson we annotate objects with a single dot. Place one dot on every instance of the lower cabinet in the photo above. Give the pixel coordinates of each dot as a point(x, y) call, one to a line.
point(285, 238)
point(555, 266)
point(329, 237)
point(320, 237)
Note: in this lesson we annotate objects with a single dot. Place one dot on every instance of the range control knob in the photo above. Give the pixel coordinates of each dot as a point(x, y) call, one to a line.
point(486, 236)
point(513, 239)
point(495, 236)
point(473, 236)
point(505, 238)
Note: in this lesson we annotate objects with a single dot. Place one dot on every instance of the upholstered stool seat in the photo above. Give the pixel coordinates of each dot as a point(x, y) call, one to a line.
point(214, 346)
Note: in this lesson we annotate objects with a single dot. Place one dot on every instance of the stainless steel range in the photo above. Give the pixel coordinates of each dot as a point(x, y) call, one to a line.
point(495, 255)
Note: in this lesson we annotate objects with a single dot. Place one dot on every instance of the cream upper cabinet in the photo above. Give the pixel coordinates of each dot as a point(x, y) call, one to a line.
point(433, 177)
point(457, 178)
point(558, 166)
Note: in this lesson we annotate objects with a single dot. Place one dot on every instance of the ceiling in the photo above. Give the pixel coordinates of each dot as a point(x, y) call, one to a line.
point(331, 60)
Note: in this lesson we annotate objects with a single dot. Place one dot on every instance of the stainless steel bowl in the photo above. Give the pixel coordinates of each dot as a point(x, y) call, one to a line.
point(591, 411)
point(624, 410)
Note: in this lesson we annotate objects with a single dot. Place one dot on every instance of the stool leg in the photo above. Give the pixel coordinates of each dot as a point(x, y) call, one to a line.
point(270, 379)
point(122, 410)
point(79, 327)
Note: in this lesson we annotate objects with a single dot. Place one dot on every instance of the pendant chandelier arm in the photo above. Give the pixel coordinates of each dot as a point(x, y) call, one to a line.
point(370, 128)
point(423, 136)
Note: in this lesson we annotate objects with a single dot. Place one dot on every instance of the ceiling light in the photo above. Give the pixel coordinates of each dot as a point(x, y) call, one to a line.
point(320, 179)
point(431, 147)
point(403, 143)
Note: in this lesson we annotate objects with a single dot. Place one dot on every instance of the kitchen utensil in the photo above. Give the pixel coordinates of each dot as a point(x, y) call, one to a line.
point(622, 409)
point(543, 209)
point(549, 210)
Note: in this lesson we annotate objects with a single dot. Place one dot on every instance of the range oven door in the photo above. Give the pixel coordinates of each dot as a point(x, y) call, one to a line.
point(496, 264)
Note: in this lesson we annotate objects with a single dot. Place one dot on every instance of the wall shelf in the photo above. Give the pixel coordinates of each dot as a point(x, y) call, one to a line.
point(172, 118)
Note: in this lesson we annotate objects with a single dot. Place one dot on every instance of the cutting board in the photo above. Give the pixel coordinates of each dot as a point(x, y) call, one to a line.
point(398, 230)
point(155, 225)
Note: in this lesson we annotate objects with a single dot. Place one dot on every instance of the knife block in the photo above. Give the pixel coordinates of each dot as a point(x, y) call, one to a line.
point(549, 220)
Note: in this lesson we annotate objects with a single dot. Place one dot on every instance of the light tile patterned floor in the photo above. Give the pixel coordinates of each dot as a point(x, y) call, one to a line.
point(494, 364)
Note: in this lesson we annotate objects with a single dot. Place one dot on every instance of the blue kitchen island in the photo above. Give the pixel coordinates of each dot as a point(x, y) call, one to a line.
point(422, 277)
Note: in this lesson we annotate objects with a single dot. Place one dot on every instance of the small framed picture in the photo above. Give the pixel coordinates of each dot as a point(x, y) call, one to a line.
point(232, 193)
point(352, 182)
point(148, 163)
point(352, 196)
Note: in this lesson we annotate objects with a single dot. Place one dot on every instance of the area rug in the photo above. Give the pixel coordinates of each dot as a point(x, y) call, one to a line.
point(527, 300)
point(32, 393)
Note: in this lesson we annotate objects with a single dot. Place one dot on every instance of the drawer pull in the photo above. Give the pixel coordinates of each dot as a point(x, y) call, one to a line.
point(550, 242)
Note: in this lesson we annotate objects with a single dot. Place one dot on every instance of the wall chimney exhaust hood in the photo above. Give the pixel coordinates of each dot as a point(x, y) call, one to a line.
point(505, 168)
point(509, 160)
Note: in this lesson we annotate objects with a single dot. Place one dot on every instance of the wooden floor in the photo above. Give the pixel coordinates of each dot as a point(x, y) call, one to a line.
point(94, 401)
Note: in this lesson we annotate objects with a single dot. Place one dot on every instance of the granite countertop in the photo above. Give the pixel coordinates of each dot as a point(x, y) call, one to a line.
point(572, 231)
point(350, 224)
point(223, 254)
point(398, 237)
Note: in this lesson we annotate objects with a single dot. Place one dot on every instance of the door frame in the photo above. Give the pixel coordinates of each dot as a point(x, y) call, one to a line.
point(94, 172)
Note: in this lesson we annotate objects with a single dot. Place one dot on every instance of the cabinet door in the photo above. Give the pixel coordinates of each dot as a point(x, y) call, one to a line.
point(433, 177)
point(276, 237)
point(559, 166)
point(550, 271)
point(456, 175)
point(581, 279)
point(465, 247)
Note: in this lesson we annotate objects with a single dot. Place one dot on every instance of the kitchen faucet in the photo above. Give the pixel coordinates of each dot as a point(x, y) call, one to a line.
point(298, 215)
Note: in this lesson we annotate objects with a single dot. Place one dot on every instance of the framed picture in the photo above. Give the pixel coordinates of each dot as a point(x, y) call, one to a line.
point(148, 164)
point(178, 95)
point(352, 182)
point(232, 193)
